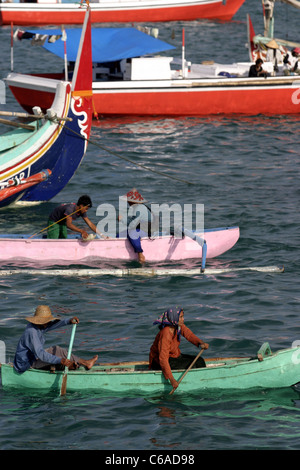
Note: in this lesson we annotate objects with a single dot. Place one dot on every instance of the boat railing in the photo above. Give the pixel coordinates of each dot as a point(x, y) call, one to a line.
point(264, 350)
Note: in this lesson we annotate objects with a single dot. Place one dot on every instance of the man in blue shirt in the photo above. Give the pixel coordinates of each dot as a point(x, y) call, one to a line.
point(30, 350)
point(138, 226)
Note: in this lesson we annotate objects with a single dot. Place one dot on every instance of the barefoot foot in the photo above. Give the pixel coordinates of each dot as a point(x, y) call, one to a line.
point(141, 258)
point(88, 364)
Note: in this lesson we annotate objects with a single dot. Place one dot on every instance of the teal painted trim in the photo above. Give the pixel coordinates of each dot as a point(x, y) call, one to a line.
point(33, 137)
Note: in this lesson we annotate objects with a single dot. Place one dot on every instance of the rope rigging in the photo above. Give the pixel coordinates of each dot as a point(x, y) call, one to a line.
point(102, 147)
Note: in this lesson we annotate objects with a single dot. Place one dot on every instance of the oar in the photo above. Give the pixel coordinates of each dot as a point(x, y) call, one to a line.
point(196, 358)
point(65, 376)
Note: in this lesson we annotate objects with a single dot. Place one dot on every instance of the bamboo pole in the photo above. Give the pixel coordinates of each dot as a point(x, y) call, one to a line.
point(31, 116)
point(7, 122)
point(135, 272)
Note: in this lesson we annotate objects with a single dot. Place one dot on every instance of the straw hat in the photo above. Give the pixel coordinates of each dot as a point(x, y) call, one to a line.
point(134, 196)
point(42, 315)
point(273, 44)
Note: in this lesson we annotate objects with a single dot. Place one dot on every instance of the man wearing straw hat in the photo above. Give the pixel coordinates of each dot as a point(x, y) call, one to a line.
point(273, 54)
point(30, 350)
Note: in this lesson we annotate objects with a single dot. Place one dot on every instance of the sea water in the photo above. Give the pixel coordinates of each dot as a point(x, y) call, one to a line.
point(245, 170)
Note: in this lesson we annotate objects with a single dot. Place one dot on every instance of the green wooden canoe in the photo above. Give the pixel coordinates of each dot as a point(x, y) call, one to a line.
point(272, 370)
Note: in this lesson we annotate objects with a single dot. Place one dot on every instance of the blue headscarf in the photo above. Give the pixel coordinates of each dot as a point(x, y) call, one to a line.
point(170, 318)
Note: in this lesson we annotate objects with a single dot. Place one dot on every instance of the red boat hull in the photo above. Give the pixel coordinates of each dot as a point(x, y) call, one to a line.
point(198, 102)
point(184, 101)
point(63, 13)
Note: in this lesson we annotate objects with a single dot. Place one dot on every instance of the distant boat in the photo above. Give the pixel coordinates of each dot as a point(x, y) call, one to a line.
point(55, 141)
point(113, 11)
point(128, 81)
point(20, 249)
point(257, 42)
point(263, 371)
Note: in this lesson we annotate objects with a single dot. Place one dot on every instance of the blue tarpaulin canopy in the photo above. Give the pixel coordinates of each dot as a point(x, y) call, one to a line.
point(108, 44)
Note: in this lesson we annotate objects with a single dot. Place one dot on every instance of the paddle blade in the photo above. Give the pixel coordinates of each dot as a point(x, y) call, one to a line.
point(63, 389)
point(189, 368)
point(65, 376)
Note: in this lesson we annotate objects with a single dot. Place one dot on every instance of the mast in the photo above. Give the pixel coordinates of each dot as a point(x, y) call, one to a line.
point(293, 3)
point(268, 9)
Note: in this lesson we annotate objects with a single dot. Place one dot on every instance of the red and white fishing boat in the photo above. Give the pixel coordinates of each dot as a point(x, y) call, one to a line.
point(201, 97)
point(156, 85)
point(257, 43)
point(115, 11)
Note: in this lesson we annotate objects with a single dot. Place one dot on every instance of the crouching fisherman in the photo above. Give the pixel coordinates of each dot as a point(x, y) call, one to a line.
point(30, 350)
point(64, 215)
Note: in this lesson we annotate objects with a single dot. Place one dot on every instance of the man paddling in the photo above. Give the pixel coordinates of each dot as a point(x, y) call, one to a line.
point(165, 354)
point(63, 216)
point(30, 350)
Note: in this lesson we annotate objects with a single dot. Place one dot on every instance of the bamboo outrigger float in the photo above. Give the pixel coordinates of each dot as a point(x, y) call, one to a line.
point(144, 272)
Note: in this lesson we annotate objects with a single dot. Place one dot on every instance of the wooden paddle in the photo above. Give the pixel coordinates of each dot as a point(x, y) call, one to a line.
point(196, 358)
point(32, 116)
point(65, 376)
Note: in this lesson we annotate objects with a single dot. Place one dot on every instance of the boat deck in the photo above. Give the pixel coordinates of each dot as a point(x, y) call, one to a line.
point(143, 366)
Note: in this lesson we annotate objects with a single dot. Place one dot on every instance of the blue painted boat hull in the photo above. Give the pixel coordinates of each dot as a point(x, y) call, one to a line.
point(58, 141)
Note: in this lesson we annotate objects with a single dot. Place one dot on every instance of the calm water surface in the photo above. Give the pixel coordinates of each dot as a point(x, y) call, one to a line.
point(246, 172)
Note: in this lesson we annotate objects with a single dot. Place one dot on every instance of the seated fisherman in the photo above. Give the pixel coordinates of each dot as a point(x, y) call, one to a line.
point(291, 61)
point(256, 69)
point(30, 350)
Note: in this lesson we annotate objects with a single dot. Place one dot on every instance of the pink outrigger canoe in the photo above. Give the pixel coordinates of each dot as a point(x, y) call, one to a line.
point(17, 248)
